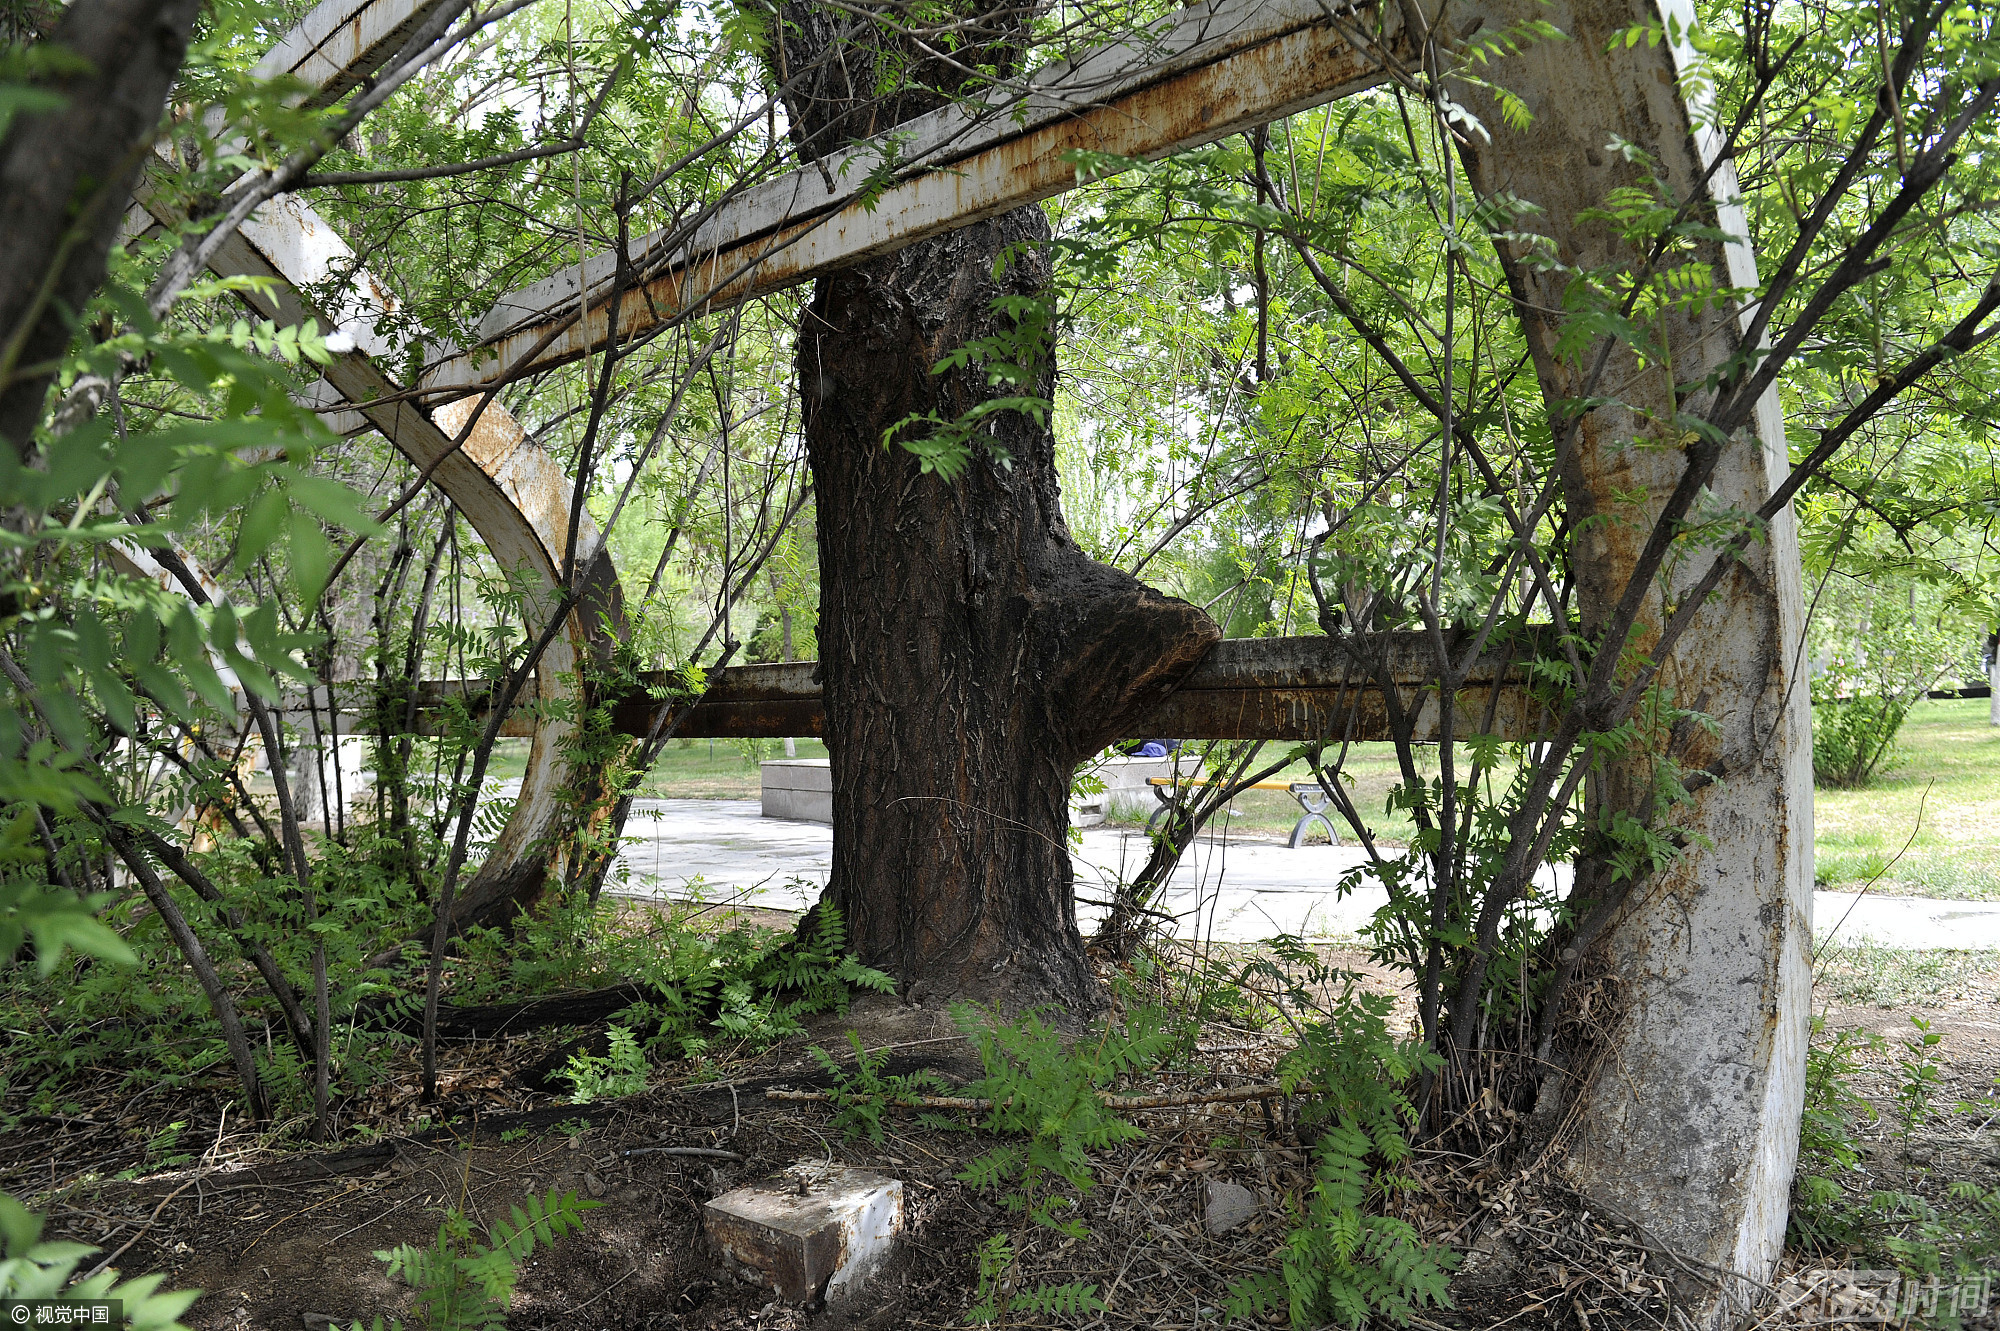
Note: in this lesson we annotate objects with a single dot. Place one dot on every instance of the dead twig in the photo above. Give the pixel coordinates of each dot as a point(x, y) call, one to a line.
point(1170, 1100)
point(151, 1220)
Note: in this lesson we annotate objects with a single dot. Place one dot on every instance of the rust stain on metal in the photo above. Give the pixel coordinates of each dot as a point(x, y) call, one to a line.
point(1278, 78)
point(352, 45)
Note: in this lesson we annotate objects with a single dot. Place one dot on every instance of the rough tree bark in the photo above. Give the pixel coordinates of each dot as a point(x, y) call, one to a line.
point(65, 176)
point(971, 654)
point(1689, 1122)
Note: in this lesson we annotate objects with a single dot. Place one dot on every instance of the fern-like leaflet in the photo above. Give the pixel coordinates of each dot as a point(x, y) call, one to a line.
point(1339, 1263)
point(465, 1285)
point(860, 1097)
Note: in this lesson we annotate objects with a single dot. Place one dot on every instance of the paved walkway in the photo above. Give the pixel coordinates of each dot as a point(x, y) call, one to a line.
point(1238, 890)
point(1912, 922)
point(1224, 889)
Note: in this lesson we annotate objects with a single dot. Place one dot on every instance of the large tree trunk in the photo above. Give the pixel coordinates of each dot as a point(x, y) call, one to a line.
point(971, 655)
point(65, 177)
point(1689, 1122)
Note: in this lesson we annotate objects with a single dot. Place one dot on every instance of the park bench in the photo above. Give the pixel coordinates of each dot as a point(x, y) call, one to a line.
point(1312, 798)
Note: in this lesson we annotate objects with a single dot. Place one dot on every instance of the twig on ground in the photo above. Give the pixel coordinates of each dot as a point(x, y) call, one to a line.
point(143, 1229)
point(366, 1223)
point(1171, 1100)
point(702, 1152)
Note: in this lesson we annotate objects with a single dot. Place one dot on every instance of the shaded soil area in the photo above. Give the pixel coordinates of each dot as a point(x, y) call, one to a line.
point(292, 1243)
point(288, 1246)
point(288, 1241)
point(292, 1240)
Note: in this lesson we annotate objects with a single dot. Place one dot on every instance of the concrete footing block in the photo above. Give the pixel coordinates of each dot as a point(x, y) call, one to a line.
point(809, 1233)
point(798, 788)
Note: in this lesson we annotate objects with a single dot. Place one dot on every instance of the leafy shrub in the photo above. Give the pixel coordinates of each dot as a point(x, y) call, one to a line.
point(1922, 1074)
point(154, 1024)
point(754, 752)
point(466, 1285)
point(1956, 1240)
point(1340, 1261)
point(1854, 737)
point(1827, 1147)
point(1880, 640)
point(787, 977)
point(56, 919)
point(996, 1258)
point(151, 1021)
point(751, 985)
point(621, 1071)
point(1049, 1093)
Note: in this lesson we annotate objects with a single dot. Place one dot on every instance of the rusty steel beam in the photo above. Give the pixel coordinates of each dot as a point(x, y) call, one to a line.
point(341, 42)
point(1209, 71)
point(1295, 689)
point(1310, 690)
point(746, 702)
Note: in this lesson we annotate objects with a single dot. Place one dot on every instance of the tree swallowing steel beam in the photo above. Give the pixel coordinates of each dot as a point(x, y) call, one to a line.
point(1301, 690)
point(1692, 1124)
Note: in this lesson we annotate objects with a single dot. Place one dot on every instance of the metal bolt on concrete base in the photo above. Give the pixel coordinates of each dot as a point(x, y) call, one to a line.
point(814, 1231)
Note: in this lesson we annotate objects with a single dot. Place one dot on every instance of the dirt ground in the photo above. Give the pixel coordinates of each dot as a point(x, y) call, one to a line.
point(291, 1241)
point(289, 1246)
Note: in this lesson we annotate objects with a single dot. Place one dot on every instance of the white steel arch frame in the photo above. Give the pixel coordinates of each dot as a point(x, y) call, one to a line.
point(512, 493)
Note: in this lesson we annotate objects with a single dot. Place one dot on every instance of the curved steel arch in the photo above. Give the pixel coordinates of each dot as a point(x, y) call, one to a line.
point(514, 495)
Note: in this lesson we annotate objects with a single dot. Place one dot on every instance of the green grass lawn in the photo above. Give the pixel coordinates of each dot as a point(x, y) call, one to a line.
point(723, 769)
point(1946, 764)
point(1940, 796)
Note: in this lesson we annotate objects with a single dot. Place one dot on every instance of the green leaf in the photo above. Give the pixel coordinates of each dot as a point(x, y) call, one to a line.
point(311, 556)
point(19, 1227)
point(262, 525)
